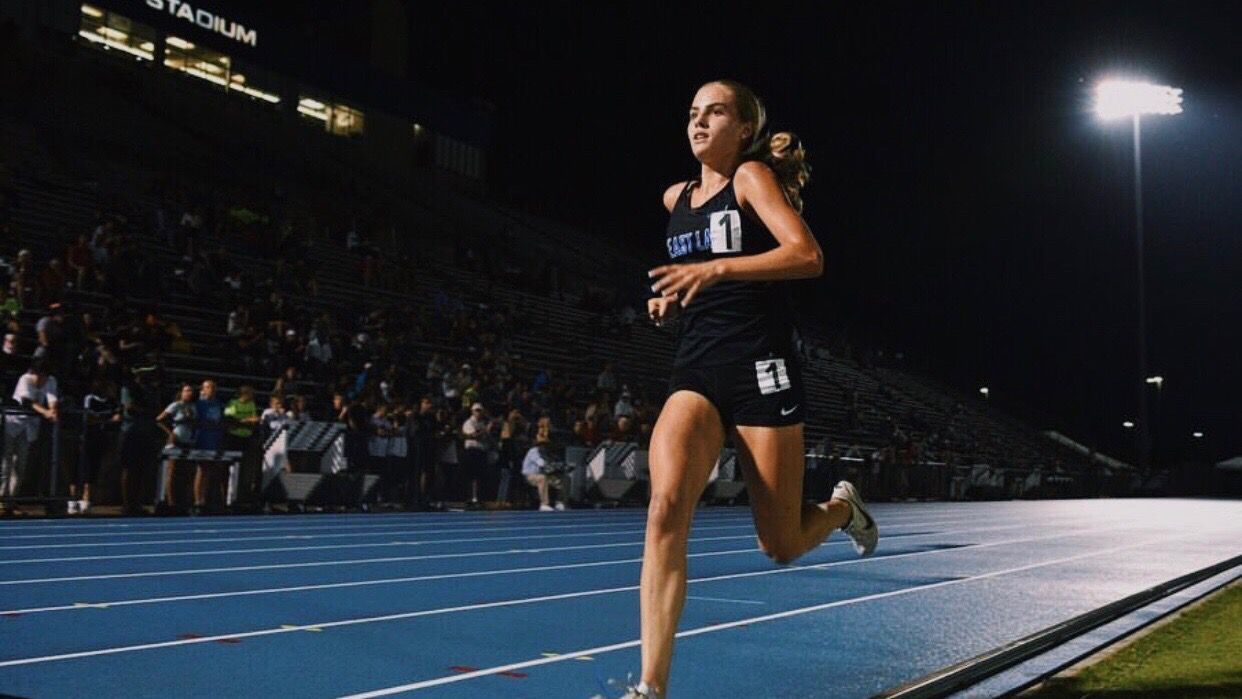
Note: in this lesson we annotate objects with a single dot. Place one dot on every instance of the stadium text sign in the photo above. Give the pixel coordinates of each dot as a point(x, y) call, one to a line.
point(207, 20)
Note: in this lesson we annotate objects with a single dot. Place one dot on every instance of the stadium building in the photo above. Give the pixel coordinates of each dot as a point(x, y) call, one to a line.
point(284, 68)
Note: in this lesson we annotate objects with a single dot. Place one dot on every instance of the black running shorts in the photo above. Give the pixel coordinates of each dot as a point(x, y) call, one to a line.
point(760, 393)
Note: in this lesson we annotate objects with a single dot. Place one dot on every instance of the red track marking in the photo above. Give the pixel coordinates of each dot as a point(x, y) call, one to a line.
point(188, 636)
point(229, 640)
point(12, 615)
point(463, 668)
point(511, 673)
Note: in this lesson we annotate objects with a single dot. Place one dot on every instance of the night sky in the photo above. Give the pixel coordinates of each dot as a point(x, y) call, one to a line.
point(973, 212)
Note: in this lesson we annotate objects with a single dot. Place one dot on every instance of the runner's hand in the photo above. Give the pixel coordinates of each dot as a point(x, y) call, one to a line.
point(662, 308)
point(684, 280)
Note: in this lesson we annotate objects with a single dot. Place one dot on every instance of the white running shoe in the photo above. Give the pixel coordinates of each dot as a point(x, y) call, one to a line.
point(559, 507)
point(72, 507)
point(861, 527)
point(84, 506)
point(545, 508)
point(632, 691)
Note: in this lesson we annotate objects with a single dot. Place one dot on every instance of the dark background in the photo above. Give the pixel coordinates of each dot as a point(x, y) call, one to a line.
point(974, 214)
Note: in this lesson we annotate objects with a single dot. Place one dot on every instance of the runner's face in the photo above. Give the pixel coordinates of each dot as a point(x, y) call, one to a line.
point(714, 128)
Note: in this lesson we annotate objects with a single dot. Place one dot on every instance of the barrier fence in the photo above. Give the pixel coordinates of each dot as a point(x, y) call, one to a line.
point(610, 472)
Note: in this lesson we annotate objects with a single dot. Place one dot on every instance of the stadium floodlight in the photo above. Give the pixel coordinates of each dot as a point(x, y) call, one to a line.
point(1116, 98)
point(1197, 435)
point(1127, 98)
point(984, 391)
point(1158, 381)
point(1128, 424)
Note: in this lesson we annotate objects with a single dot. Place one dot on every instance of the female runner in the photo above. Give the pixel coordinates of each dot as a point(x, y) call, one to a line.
point(735, 234)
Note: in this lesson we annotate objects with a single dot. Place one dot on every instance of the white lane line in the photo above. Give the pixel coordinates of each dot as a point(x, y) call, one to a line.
point(298, 565)
point(325, 518)
point(607, 518)
point(300, 537)
point(464, 520)
point(387, 581)
point(712, 628)
point(288, 537)
point(529, 600)
point(320, 564)
point(239, 522)
point(199, 527)
point(221, 552)
point(376, 529)
point(724, 599)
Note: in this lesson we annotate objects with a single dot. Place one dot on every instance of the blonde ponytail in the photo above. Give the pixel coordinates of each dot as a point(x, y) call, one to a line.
point(781, 151)
point(787, 158)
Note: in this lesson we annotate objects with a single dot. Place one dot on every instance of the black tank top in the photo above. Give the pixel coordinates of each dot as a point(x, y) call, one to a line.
point(733, 321)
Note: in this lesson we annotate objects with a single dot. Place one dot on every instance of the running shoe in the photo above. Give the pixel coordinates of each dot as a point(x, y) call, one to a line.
point(861, 527)
point(632, 691)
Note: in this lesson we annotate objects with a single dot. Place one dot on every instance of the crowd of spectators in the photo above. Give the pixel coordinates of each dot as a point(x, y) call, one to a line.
point(432, 393)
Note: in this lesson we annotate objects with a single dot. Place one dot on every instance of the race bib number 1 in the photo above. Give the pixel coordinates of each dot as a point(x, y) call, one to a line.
point(726, 231)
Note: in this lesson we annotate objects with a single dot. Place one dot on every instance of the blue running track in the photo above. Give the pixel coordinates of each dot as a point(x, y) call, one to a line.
point(528, 604)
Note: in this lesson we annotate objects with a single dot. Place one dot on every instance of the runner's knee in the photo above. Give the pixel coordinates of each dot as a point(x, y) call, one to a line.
point(668, 515)
point(781, 550)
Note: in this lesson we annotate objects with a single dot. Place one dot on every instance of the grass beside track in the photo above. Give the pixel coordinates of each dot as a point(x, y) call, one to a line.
point(1196, 655)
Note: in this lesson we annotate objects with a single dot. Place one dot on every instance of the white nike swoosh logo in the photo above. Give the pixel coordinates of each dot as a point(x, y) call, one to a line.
point(788, 412)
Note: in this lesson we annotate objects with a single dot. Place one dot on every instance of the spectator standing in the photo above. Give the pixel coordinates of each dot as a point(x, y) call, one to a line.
point(395, 466)
point(99, 414)
point(138, 436)
point(36, 391)
point(423, 452)
point(377, 448)
point(243, 416)
point(474, 457)
point(514, 438)
point(209, 437)
point(178, 422)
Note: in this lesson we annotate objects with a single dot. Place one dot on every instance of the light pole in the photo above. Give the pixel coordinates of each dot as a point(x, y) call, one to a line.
point(1122, 98)
point(1153, 433)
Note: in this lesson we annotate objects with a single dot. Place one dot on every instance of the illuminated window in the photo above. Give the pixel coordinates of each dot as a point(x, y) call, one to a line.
point(214, 67)
point(346, 121)
point(339, 119)
point(202, 63)
point(112, 32)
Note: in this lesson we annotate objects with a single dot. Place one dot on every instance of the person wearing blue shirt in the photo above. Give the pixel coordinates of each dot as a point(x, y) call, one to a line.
point(209, 411)
point(535, 468)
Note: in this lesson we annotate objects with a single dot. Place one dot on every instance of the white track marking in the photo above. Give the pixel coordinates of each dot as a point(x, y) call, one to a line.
point(320, 564)
point(481, 525)
point(446, 527)
point(724, 599)
point(531, 600)
point(220, 552)
point(414, 686)
point(303, 537)
point(386, 581)
point(326, 518)
point(291, 537)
